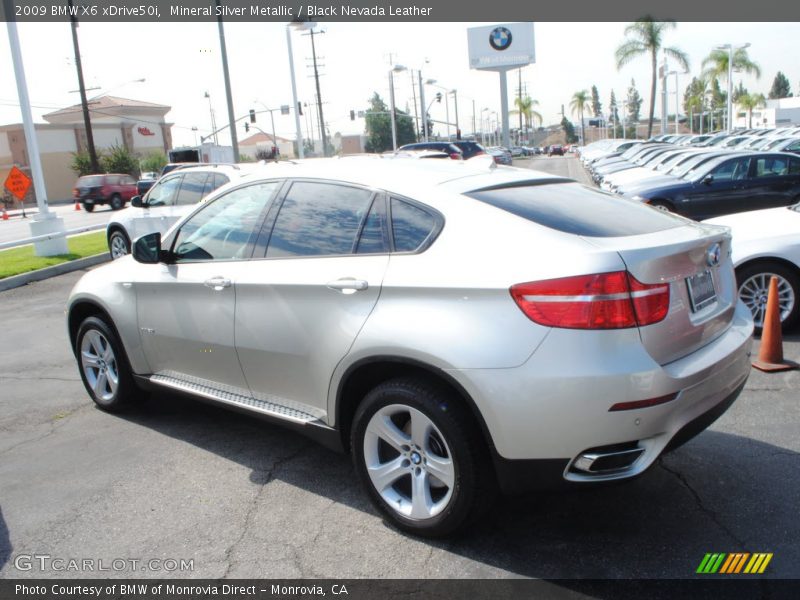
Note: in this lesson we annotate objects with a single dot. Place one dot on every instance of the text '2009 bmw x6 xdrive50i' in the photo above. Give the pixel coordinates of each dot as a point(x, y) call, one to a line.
point(459, 329)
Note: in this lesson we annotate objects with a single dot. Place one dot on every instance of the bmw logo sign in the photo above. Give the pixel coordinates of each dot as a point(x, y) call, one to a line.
point(500, 38)
point(714, 255)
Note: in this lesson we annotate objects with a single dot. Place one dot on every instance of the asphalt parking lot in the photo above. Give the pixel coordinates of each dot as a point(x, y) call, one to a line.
point(172, 479)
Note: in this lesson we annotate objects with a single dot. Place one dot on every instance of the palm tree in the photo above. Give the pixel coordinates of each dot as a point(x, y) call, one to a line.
point(715, 65)
point(647, 37)
point(750, 101)
point(525, 109)
point(581, 101)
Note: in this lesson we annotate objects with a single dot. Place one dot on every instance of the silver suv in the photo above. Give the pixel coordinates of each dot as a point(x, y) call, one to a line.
point(170, 198)
point(461, 329)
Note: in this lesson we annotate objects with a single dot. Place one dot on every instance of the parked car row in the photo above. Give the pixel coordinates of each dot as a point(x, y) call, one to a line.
point(594, 334)
point(752, 187)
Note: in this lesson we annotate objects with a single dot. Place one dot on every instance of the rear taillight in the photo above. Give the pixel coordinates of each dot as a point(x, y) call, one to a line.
point(455, 156)
point(601, 301)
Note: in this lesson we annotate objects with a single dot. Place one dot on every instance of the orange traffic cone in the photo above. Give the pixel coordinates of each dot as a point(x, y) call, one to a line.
point(5, 214)
point(770, 355)
point(77, 204)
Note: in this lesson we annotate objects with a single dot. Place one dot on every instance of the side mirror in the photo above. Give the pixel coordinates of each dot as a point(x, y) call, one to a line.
point(708, 179)
point(137, 201)
point(147, 249)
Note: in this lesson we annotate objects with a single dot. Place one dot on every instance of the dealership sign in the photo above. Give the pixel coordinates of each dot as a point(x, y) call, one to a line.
point(144, 131)
point(501, 47)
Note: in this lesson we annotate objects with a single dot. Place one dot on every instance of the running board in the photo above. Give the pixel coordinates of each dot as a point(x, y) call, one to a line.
point(233, 398)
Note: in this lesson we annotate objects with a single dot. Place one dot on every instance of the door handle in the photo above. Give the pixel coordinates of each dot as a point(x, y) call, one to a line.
point(348, 285)
point(217, 283)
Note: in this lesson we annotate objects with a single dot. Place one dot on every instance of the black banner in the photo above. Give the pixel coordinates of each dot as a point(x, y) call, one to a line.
point(397, 10)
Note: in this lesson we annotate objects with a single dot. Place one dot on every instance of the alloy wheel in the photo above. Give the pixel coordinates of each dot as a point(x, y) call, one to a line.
point(755, 290)
point(99, 365)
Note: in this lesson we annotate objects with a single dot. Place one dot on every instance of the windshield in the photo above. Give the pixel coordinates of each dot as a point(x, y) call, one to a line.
point(673, 160)
point(693, 161)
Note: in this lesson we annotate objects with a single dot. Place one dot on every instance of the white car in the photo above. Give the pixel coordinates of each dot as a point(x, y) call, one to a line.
point(172, 197)
point(766, 243)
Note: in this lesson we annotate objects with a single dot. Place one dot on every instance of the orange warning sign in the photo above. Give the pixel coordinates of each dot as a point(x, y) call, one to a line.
point(17, 183)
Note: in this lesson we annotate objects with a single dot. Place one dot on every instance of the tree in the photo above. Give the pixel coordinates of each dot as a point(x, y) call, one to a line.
point(379, 126)
point(715, 65)
point(118, 159)
point(694, 99)
point(579, 104)
point(154, 161)
point(634, 104)
point(81, 164)
point(750, 101)
point(738, 92)
point(525, 109)
point(718, 98)
point(613, 115)
point(780, 87)
point(597, 108)
point(569, 131)
point(647, 38)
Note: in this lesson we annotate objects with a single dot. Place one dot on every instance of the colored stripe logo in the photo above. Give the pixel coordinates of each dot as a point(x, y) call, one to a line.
point(734, 563)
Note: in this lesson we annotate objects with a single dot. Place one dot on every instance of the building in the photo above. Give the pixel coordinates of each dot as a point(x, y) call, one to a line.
point(262, 142)
point(137, 126)
point(781, 112)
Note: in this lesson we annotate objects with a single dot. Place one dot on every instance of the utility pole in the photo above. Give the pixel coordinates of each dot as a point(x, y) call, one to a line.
point(322, 133)
point(519, 108)
point(229, 96)
point(87, 122)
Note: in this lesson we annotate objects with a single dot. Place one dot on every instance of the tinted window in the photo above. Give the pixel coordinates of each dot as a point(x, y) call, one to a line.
point(573, 208)
point(224, 228)
point(214, 181)
point(794, 166)
point(373, 238)
point(90, 181)
point(163, 192)
point(127, 180)
point(191, 189)
point(318, 219)
point(795, 147)
point(732, 169)
point(772, 166)
point(411, 225)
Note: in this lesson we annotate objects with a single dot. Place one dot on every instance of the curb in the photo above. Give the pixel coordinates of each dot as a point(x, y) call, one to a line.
point(9, 283)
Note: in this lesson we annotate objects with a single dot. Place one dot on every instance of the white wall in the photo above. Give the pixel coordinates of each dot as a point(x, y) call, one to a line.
point(56, 140)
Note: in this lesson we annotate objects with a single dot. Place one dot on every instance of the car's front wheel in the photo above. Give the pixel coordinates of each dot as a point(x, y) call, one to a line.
point(421, 457)
point(118, 245)
point(103, 366)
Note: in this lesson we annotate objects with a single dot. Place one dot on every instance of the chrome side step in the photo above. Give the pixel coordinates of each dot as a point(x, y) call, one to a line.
point(233, 397)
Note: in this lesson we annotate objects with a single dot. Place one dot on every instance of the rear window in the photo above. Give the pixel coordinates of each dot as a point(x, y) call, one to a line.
point(573, 208)
point(90, 181)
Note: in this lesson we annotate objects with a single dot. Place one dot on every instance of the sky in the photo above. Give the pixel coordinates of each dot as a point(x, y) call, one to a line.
point(181, 61)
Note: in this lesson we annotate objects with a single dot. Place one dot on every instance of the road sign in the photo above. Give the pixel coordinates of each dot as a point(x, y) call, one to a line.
point(17, 183)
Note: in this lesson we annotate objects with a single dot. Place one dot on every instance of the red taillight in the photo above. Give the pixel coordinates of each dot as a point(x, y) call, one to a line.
point(601, 301)
point(455, 156)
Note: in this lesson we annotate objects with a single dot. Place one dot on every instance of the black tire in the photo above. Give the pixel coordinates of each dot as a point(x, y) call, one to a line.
point(118, 244)
point(454, 436)
point(750, 275)
point(93, 341)
point(88, 206)
point(662, 205)
point(117, 202)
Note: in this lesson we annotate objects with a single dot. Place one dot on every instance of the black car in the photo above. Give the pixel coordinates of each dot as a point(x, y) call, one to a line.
point(449, 147)
point(555, 150)
point(469, 149)
point(729, 184)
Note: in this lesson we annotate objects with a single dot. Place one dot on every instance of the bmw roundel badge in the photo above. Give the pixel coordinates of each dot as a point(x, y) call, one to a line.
point(500, 38)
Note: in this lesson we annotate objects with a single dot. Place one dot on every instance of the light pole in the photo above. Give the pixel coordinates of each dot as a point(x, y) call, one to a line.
point(213, 121)
point(432, 83)
point(392, 71)
point(271, 118)
point(455, 104)
point(731, 48)
point(298, 132)
point(677, 101)
point(483, 131)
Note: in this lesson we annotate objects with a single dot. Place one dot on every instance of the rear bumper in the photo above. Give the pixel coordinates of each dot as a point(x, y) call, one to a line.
point(555, 407)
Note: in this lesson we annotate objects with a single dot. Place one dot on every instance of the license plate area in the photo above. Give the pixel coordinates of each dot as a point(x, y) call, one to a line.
point(701, 290)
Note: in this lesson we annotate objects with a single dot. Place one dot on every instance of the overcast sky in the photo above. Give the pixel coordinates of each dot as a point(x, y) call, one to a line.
point(182, 61)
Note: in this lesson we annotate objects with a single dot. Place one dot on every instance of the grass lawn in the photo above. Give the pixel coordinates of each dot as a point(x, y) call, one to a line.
point(21, 260)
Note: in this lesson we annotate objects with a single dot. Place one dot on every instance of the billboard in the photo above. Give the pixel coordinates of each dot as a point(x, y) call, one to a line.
point(501, 47)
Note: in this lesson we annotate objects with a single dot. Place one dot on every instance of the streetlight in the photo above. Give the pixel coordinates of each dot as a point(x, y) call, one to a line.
point(730, 48)
point(432, 83)
point(392, 71)
point(483, 133)
point(677, 105)
point(213, 121)
point(299, 25)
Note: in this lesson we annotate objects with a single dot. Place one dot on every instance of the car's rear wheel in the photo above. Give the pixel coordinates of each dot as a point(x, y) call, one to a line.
point(88, 206)
point(753, 283)
point(421, 457)
point(118, 244)
point(117, 202)
point(103, 366)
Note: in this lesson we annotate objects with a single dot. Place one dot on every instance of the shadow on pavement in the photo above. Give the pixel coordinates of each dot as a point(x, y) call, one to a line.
point(719, 493)
point(5, 541)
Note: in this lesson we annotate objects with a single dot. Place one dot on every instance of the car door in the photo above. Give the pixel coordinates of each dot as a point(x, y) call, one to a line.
point(301, 305)
point(186, 307)
point(724, 190)
point(157, 207)
point(772, 184)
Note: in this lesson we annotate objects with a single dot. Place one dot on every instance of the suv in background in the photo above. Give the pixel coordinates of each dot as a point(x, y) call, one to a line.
point(114, 189)
point(171, 197)
point(452, 150)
